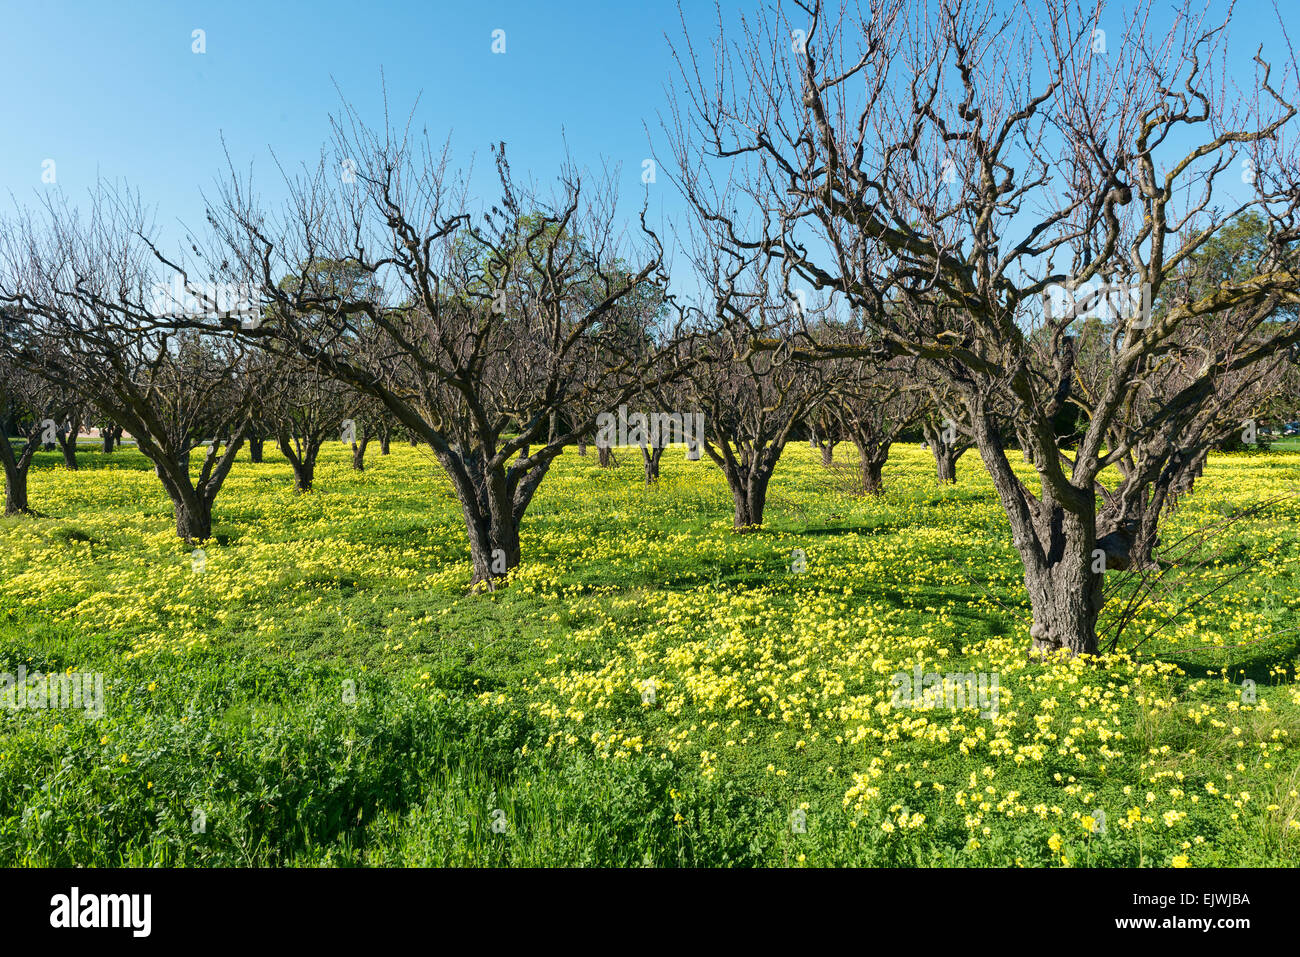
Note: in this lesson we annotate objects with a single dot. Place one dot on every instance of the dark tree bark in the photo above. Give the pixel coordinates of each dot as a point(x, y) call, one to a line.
point(16, 467)
point(493, 498)
point(16, 502)
point(871, 461)
point(945, 463)
point(256, 448)
point(68, 446)
point(650, 459)
point(193, 519)
point(66, 436)
point(749, 497)
point(301, 454)
point(1146, 537)
point(748, 474)
point(359, 451)
point(1143, 515)
point(946, 454)
point(1056, 540)
point(192, 499)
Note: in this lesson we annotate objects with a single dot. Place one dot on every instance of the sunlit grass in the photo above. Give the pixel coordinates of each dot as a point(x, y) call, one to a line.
point(769, 736)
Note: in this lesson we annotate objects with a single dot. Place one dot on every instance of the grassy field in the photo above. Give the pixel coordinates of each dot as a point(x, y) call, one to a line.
point(651, 689)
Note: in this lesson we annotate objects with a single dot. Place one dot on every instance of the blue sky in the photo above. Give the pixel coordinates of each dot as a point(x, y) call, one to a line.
point(114, 90)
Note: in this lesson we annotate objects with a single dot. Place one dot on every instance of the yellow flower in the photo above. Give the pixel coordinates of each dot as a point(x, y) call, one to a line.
point(1180, 861)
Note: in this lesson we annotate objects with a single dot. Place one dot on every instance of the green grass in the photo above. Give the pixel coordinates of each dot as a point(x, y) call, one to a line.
point(327, 691)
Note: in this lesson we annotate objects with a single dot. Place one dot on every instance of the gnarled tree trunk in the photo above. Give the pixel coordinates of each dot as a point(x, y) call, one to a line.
point(16, 502)
point(946, 454)
point(871, 462)
point(193, 518)
point(650, 459)
point(1064, 591)
point(748, 478)
point(359, 452)
point(1144, 510)
point(302, 457)
point(68, 445)
point(749, 495)
point(16, 467)
point(192, 500)
point(494, 494)
point(945, 462)
point(1056, 541)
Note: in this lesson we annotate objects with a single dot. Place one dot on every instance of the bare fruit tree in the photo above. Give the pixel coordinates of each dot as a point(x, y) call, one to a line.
point(493, 327)
point(306, 408)
point(87, 289)
point(824, 431)
point(875, 403)
point(752, 402)
point(945, 426)
point(32, 407)
point(905, 161)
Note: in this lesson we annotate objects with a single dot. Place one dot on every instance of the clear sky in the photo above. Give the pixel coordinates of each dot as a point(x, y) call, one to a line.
point(114, 89)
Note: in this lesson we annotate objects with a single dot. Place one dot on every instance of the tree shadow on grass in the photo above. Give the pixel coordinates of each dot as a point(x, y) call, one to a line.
point(884, 528)
point(1255, 662)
